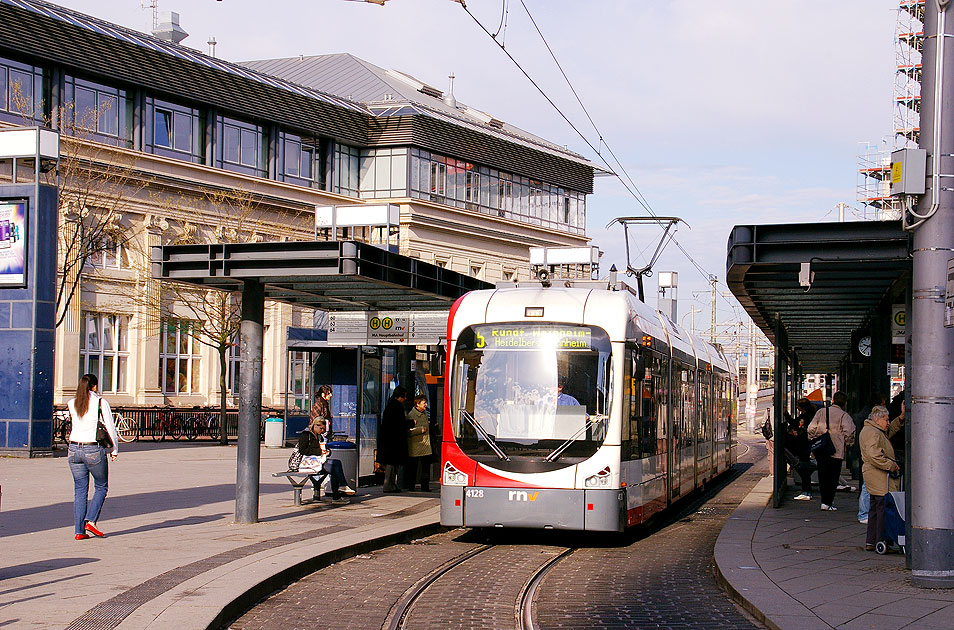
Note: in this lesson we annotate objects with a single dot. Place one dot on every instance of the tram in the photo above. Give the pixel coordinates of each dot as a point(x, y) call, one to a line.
point(577, 408)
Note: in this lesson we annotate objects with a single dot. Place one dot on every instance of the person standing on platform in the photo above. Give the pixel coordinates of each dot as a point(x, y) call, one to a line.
point(798, 437)
point(86, 457)
point(836, 421)
point(418, 446)
point(392, 438)
point(880, 469)
point(321, 409)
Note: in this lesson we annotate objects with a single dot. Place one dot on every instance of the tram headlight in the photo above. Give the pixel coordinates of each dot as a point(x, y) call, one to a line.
point(452, 476)
point(599, 480)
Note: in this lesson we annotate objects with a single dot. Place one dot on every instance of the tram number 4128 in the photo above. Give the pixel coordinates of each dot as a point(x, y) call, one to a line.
point(475, 493)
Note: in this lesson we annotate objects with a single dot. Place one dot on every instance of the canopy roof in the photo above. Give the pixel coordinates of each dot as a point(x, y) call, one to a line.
point(328, 275)
point(854, 266)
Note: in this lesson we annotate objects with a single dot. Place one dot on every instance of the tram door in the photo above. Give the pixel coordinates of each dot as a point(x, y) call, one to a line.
point(687, 450)
point(675, 425)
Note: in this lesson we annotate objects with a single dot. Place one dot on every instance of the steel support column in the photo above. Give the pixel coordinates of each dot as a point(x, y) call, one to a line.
point(250, 403)
point(932, 410)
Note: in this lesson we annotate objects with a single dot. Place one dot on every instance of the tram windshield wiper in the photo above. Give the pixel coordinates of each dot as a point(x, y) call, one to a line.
point(483, 433)
point(558, 451)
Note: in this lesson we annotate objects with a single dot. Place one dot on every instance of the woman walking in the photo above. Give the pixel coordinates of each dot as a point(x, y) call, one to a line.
point(87, 457)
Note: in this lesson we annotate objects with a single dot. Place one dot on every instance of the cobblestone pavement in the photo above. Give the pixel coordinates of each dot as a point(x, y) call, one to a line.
point(664, 580)
point(652, 578)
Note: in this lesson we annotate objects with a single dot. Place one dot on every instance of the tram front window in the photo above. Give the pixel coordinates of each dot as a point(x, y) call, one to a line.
point(531, 397)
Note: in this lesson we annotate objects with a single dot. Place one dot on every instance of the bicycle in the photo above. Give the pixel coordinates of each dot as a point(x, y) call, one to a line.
point(62, 425)
point(125, 428)
point(196, 426)
point(168, 425)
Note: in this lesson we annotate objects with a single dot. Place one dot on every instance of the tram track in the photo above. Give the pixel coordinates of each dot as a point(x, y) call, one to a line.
point(401, 618)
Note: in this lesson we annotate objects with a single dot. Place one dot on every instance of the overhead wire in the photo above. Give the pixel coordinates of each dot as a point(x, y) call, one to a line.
point(631, 188)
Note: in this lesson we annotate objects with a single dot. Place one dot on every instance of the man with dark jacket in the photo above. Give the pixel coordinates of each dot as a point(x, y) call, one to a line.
point(392, 438)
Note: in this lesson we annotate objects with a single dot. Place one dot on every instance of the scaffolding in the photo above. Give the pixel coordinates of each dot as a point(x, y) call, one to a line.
point(874, 161)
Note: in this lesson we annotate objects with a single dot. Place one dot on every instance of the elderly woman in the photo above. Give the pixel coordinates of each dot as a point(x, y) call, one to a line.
point(880, 468)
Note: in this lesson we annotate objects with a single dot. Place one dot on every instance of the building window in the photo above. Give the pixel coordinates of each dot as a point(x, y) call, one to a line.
point(477, 270)
point(104, 349)
point(347, 165)
point(299, 159)
point(462, 184)
point(472, 186)
point(179, 357)
point(438, 179)
point(109, 254)
point(102, 111)
point(383, 173)
point(300, 374)
point(234, 363)
point(21, 92)
point(174, 130)
point(241, 146)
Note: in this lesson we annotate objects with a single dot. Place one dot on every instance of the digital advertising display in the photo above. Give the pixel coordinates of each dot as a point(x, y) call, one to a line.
point(13, 247)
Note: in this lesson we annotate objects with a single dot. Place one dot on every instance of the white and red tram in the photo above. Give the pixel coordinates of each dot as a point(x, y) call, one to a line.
point(577, 408)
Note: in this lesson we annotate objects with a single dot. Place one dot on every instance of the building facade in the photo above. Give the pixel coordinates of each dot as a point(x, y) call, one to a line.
point(163, 144)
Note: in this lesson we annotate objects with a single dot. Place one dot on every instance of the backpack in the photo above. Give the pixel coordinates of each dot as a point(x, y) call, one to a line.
point(767, 429)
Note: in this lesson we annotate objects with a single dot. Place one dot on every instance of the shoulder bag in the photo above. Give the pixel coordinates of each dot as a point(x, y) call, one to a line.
point(294, 460)
point(822, 446)
point(102, 435)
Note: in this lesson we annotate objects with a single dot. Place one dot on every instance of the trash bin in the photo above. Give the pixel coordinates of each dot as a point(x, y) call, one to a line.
point(274, 432)
point(347, 453)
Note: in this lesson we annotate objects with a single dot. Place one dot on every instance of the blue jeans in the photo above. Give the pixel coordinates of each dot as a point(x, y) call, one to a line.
point(86, 460)
point(336, 472)
point(864, 503)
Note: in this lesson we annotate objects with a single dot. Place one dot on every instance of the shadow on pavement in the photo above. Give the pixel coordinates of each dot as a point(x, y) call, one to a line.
point(56, 515)
point(32, 568)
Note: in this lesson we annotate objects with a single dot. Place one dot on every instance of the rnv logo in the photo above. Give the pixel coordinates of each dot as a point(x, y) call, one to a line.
point(521, 495)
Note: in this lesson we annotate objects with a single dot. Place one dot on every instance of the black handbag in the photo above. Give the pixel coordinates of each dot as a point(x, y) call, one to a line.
point(102, 435)
point(822, 446)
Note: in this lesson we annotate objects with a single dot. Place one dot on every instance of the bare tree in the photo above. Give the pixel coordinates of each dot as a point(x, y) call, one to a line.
point(96, 184)
point(240, 217)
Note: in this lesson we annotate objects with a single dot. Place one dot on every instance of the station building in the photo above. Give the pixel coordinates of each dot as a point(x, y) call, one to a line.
point(162, 144)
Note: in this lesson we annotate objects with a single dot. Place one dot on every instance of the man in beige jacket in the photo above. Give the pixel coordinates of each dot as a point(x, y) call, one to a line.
point(836, 421)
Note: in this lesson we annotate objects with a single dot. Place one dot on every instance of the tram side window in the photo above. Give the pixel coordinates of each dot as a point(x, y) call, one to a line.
point(704, 409)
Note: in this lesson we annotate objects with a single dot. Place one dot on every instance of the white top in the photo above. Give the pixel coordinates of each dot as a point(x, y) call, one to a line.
point(84, 427)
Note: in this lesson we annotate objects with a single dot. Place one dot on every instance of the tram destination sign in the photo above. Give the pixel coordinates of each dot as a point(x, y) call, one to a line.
point(511, 337)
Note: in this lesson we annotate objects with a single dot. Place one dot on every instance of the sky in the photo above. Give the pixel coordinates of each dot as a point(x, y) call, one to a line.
point(727, 113)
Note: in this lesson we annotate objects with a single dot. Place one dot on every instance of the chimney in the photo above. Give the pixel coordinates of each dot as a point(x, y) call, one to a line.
point(169, 29)
point(449, 99)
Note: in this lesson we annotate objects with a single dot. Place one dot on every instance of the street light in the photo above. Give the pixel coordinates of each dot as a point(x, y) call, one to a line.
point(692, 319)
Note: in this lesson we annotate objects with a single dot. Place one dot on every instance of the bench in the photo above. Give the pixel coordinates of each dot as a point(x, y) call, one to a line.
point(299, 479)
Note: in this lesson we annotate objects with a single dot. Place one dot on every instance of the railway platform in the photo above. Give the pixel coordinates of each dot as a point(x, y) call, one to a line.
point(172, 557)
point(799, 568)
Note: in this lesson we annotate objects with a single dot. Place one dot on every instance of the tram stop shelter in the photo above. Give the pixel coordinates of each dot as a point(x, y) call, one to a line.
point(818, 291)
point(327, 275)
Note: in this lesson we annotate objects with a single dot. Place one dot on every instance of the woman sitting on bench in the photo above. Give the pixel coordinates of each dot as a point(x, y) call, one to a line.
point(312, 442)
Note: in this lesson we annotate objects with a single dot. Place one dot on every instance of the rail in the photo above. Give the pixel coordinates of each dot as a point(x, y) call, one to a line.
point(161, 423)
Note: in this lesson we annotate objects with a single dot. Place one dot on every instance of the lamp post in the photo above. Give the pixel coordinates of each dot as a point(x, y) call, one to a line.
point(692, 318)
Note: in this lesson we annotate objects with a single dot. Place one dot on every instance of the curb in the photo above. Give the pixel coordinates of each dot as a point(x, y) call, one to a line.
point(258, 592)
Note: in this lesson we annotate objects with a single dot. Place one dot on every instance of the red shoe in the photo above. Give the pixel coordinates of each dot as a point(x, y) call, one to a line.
point(81, 537)
point(92, 530)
